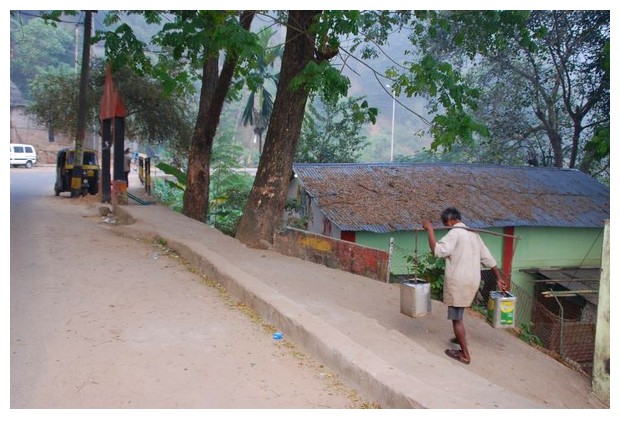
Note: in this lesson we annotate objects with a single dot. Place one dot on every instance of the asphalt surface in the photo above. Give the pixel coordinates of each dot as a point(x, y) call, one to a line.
point(354, 324)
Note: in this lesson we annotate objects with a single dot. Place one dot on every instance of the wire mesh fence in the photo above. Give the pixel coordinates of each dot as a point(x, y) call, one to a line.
point(564, 328)
point(402, 262)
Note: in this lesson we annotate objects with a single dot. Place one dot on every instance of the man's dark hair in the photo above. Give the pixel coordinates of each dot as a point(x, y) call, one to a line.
point(450, 213)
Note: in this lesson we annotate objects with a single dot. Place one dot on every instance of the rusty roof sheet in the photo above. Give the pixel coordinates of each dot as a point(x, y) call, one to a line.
point(400, 196)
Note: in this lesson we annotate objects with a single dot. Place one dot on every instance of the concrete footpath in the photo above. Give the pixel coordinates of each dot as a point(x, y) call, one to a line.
point(353, 324)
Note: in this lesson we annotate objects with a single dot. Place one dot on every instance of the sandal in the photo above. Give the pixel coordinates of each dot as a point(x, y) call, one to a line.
point(457, 355)
point(453, 340)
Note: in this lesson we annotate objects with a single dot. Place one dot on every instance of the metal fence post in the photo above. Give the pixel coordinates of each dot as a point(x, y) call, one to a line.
point(561, 326)
point(390, 255)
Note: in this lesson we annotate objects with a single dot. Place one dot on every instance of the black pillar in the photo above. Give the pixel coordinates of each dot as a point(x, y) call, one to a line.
point(119, 148)
point(106, 135)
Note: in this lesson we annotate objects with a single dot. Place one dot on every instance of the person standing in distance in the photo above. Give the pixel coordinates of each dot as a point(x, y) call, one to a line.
point(464, 252)
point(127, 165)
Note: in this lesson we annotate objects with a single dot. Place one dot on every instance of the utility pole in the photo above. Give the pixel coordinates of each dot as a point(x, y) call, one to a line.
point(393, 112)
point(76, 40)
point(76, 179)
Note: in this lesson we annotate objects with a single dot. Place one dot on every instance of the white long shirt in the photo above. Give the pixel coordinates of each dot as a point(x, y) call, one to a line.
point(464, 252)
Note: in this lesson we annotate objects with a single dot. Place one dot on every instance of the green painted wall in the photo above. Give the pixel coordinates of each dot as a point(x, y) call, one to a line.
point(555, 247)
point(535, 248)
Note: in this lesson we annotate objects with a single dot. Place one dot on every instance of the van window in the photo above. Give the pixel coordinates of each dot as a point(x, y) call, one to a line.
point(28, 149)
point(18, 149)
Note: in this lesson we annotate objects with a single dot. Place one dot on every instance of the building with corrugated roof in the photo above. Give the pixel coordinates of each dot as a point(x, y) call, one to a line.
point(556, 216)
point(545, 227)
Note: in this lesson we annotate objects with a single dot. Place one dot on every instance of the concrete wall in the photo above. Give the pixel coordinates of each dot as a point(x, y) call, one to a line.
point(602, 353)
point(334, 253)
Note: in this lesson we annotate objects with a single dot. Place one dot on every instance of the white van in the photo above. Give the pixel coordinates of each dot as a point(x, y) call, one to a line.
point(23, 154)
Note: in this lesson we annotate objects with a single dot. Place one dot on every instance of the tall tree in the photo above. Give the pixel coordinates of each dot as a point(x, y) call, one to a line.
point(268, 196)
point(545, 96)
point(212, 97)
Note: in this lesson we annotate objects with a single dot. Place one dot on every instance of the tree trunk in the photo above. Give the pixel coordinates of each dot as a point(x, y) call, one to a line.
point(556, 146)
point(550, 123)
point(267, 199)
point(196, 196)
point(212, 98)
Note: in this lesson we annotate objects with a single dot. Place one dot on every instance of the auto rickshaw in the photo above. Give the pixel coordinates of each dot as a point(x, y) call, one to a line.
point(64, 171)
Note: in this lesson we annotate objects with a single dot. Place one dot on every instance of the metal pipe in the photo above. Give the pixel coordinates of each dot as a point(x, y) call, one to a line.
point(548, 294)
point(393, 114)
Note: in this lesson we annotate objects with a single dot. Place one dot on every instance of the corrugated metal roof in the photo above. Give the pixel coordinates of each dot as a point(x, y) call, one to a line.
point(400, 196)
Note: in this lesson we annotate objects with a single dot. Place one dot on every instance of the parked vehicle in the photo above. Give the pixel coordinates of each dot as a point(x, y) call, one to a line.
point(64, 171)
point(23, 154)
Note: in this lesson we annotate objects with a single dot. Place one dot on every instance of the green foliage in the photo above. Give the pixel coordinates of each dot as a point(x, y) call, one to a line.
point(178, 174)
point(479, 308)
point(260, 100)
point(450, 99)
point(600, 143)
point(229, 187)
point(184, 41)
point(295, 218)
point(430, 269)
point(124, 48)
point(293, 204)
point(168, 193)
point(53, 17)
point(321, 76)
point(54, 95)
point(226, 208)
point(455, 126)
point(37, 48)
point(525, 333)
point(544, 81)
point(154, 118)
point(488, 32)
point(332, 131)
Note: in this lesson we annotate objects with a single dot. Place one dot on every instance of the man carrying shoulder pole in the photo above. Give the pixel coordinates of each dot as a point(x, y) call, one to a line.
point(464, 252)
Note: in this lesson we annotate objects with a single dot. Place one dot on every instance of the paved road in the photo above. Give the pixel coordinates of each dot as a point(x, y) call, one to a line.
point(104, 321)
